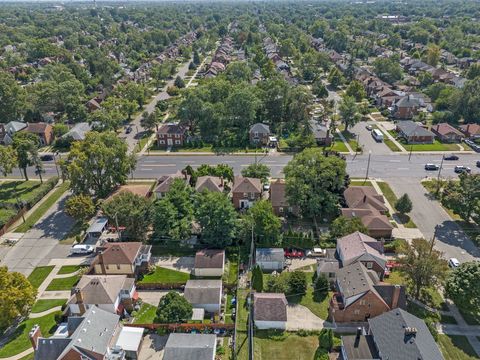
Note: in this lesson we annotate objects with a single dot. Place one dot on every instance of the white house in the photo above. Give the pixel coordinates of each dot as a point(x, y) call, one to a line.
point(204, 294)
point(209, 262)
point(270, 259)
point(270, 311)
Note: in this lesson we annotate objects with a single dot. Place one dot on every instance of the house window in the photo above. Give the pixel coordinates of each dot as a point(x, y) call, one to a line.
point(118, 267)
point(177, 142)
point(177, 135)
point(331, 275)
point(369, 265)
point(280, 209)
point(256, 134)
point(362, 302)
point(106, 267)
point(245, 195)
point(169, 135)
point(162, 141)
point(356, 312)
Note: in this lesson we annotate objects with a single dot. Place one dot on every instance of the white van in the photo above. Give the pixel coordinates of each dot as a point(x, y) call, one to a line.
point(377, 135)
point(81, 249)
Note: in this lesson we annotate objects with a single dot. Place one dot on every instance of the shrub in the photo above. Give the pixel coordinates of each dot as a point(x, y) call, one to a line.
point(325, 339)
point(297, 283)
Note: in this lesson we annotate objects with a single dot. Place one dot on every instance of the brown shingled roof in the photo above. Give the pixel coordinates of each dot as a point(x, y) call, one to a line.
point(37, 128)
point(209, 258)
point(269, 307)
point(121, 253)
point(246, 185)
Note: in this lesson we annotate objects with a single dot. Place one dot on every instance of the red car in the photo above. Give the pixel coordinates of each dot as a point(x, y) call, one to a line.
point(293, 253)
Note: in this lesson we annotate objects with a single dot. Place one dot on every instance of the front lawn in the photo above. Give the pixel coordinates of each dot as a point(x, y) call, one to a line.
point(436, 146)
point(25, 191)
point(63, 284)
point(456, 347)
point(68, 269)
point(42, 209)
point(338, 145)
point(39, 274)
point(46, 304)
point(165, 276)
point(20, 342)
point(146, 314)
point(392, 199)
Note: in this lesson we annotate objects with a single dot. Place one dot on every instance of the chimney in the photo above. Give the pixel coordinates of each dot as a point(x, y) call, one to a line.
point(80, 302)
point(396, 296)
point(34, 335)
point(364, 198)
point(410, 331)
point(100, 261)
point(221, 181)
point(359, 333)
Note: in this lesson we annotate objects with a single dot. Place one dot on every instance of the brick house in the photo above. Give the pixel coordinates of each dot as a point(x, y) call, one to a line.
point(470, 130)
point(279, 201)
point(171, 135)
point(360, 295)
point(405, 107)
point(44, 132)
point(414, 133)
point(258, 134)
point(245, 192)
point(447, 133)
point(164, 183)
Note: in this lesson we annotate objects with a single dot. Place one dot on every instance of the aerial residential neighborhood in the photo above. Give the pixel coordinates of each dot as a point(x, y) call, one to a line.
point(240, 180)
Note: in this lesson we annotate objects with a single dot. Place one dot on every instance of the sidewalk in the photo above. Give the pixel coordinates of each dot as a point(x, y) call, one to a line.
point(390, 137)
point(350, 150)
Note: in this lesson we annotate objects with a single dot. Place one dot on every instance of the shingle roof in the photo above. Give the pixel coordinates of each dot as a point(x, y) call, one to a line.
point(409, 128)
point(269, 307)
point(364, 197)
point(37, 128)
point(101, 289)
point(277, 193)
point(165, 181)
point(210, 259)
point(471, 129)
point(246, 185)
point(394, 342)
point(269, 254)
point(353, 246)
point(79, 131)
point(203, 291)
point(260, 128)
point(355, 279)
point(121, 253)
point(13, 126)
point(210, 183)
point(362, 348)
point(171, 129)
point(190, 347)
point(445, 129)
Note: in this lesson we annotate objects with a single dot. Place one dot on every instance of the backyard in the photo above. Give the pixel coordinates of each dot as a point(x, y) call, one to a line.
point(146, 314)
point(165, 276)
point(284, 346)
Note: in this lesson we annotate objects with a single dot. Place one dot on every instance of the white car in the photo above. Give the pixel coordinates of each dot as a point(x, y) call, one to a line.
point(316, 252)
point(453, 263)
point(81, 249)
point(266, 187)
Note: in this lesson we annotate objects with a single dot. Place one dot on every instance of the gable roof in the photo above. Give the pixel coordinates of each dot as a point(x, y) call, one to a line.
point(101, 289)
point(165, 181)
point(203, 291)
point(210, 183)
point(79, 131)
point(371, 218)
point(190, 346)
point(260, 128)
point(471, 129)
point(355, 279)
point(37, 128)
point(277, 193)
point(445, 129)
point(353, 246)
point(364, 197)
point(121, 253)
point(209, 259)
point(269, 254)
point(395, 343)
point(408, 102)
point(409, 128)
point(171, 128)
point(246, 185)
point(269, 307)
point(14, 126)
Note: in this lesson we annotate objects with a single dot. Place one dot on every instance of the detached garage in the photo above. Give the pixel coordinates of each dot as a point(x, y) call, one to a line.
point(204, 294)
point(270, 259)
point(270, 311)
point(209, 262)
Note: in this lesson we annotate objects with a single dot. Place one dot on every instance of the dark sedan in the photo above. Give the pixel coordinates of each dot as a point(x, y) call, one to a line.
point(451, 157)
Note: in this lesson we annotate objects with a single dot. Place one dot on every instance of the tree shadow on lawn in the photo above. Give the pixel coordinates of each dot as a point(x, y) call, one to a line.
point(11, 189)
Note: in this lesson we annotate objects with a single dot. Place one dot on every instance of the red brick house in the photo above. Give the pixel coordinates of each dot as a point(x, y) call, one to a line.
point(44, 132)
point(414, 133)
point(245, 192)
point(447, 133)
point(360, 295)
point(470, 130)
point(279, 201)
point(406, 107)
point(259, 134)
point(171, 135)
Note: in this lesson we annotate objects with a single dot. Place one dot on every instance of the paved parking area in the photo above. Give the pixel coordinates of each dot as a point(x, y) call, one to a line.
point(300, 317)
point(152, 347)
point(183, 263)
point(152, 297)
point(300, 263)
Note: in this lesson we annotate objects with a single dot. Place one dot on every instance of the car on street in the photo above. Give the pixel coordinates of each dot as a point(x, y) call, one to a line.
point(431, 167)
point(39, 171)
point(369, 127)
point(81, 249)
point(459, 169)
point(450, 157)
point(128, 130)
point(294, 253)
point(453, 263)
point(46, 157)
point(478, 163)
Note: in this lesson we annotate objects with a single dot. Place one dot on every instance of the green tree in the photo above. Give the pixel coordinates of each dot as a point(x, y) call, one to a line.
point(26, 147)
point(174, 308)
point(129, 210)
point(422, 265)
point(257, 278)
point(335, 78)
point(149, 121)
point(266, 225)
point(404, 204)
point(356, 90)
point(319, 89)
point(473, 71)
point(343, 226)
point(179, 83)
point(463, 197)
point(325, 339)
point(8, 159)
point(12, 98)
point(297, 283)
point(16, 298)
point(388, 69)
point(314, 182)
point(257, 170)
point(59, 130)
point(432, 54)
point(349, 111)
point(98, 164)
point(277, 284)
point(463, 286)
point(321, 288)
point(217, 218)
point(80, 207)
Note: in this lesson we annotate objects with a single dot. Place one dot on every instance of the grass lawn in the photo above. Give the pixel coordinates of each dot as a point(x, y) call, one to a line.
point(242, 314)
point(319, 308)
point(424, 314)
point(284, 346)
point(62, 284)
point(231, 268)
point(42, 209)
point(360, 182)
point(77, 230)
point(68, 269)
point(391, 145)
point(146, 314)
point(43, 305)
point(143, 141)
point(39, 274)
point(29, 357)
point(6, 215)
point(24, 190)
point(436, 146)
point(338, 145)
point(20, 341)
point(392, 199)
point(456, 347)
point(165, 276)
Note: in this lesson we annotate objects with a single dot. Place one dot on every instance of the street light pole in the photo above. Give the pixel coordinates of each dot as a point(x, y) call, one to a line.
point(439, 172)
point(368, 164)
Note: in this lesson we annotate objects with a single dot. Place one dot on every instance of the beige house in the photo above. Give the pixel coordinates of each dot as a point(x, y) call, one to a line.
point(128, 258)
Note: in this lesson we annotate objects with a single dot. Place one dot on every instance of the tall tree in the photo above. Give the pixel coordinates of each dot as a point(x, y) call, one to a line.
point(12, 98)
point(257, 278)
point(98, 164)
point(335, 78)
point(8, 159)
point(80, 207)
point(463, 286)
point(423, 265)
point(257, 170)
point(463, 197)
point(404, 204)
point(174, 308)
point(356, 90)
point(266, 225)
point(26, 146)
point(349, 111)
point(432, 54)
point(342, 226)
point(150, 121)
point(217, 218)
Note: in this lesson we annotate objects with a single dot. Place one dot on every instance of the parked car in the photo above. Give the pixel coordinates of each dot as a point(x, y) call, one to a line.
point(478, 163)
point(128, 130)
point(293, 253)
point(369, 127)
point(459, 169)
point(46, 157)
point(266, 187)
point(431, 167)
point(450, 157)
point(81, 249)
point(453, 263)
point(316, 252)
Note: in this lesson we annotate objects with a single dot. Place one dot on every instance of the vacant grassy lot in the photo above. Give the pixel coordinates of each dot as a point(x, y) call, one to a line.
point(287, 346)
point(165, 276)
point(63, 284)
point(39, 274)
point(43, 305)
point(456, 347)
point(42, 209)
point(20, 341)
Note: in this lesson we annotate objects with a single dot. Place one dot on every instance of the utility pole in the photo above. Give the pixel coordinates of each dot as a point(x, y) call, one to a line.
point(368, 164)
point(250, 297)
point(410, 154)
point(433, 238)
point(439, 172)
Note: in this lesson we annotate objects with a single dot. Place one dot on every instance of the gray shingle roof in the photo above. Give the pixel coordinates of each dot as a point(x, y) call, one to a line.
point(190, 347)
point(209, 259)
point(260, 128)
point(269, 307)
point(203, 291)
point(78, 131)
point(354, 280)
point(394, 343)
point(409, 128)
point(269, 254)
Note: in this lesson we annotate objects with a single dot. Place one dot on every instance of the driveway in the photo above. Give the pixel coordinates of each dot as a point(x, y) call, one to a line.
point(300, 317)
point(152, 347)
point(152, 297)
point(367, 141)
point(300, 263)
point(183, 263)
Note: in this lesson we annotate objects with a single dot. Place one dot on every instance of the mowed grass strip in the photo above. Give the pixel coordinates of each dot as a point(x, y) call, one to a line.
point(46, 304)
point(39, 274)
point(63, 284)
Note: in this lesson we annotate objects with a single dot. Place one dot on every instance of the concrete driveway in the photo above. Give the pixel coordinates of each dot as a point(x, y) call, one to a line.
point(300, 317)
point(152, 297)
point(300, 263)
point(183, 263)
point(367, 141)
point(152, 347)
